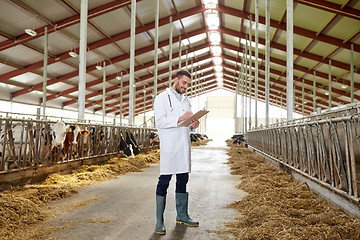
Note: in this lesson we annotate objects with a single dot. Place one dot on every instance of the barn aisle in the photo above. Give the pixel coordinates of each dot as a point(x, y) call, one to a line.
point(123, 208)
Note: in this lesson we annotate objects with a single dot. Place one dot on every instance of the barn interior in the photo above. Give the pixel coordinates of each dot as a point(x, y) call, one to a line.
point(281, 82)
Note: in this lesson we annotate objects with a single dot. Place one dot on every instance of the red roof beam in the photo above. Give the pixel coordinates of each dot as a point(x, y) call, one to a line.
point(332, 7)
point(93, 67)
point(99, 43)
point(97, 11)
point(297, 30)
point(125, 72)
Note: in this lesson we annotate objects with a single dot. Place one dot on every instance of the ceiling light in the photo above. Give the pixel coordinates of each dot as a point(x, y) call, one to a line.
point(73, 54)
point(214, 38)
point(220, 79)
point(30, 32)
point(327, 94)
point(220, 84)
point(218, 68)
point(98, 67)
point(219, 74)
point(212, 20)
point(217, 60)
point(118, 78)
point(210, 3)
point(343, 87)
point(216, 51)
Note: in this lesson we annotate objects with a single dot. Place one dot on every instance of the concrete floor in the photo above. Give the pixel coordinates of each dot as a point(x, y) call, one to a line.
point(124, 208)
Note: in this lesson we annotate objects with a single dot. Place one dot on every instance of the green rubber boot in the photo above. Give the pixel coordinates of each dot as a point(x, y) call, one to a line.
point(182, 210)
point(160, 208)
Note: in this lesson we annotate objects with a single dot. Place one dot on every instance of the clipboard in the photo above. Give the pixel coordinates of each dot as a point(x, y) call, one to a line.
point(197, 115)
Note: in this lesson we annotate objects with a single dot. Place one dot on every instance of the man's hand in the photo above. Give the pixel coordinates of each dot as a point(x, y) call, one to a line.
point(185, 116)
point(195, 123)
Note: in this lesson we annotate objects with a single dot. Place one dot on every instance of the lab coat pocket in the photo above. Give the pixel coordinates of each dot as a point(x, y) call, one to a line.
point(169, 142)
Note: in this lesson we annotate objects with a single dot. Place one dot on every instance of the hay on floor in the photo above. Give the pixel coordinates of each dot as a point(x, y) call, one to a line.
point(20, 207)
point(279, 208)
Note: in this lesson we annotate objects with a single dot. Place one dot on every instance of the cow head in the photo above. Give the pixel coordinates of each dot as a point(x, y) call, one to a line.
point(59, 130)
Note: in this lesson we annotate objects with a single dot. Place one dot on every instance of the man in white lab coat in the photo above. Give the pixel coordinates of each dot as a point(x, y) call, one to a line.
point(171, 107)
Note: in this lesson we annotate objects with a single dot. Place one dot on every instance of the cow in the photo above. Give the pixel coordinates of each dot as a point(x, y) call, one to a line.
point(125, 148)
point(154, 138)
point(238, 139)
point(72, 138)
point(130, 140)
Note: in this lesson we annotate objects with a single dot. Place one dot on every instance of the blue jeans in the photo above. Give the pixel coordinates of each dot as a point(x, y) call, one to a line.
point(164, 180)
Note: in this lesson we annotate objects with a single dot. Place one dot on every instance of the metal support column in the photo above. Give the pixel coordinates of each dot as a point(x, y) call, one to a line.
point(156, 46)
point(82, 59)
point(132, 63)
point(330, 97)
point(170, 50)
point(187, 60)
point(256, 58)
point(302, 98)
point(180, 47)
point(121, 97)
point(242, 95)
point(103, 93)
point(289, 58)
point(144, 91)
point(191, 83)
point(314, 91)
point(250, 69)
point(246, 82)
point(45, 71)
point(352, 72)
point(267, 62)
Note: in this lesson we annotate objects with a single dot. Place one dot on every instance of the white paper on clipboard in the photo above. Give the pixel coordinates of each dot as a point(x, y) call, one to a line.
point(197, 115)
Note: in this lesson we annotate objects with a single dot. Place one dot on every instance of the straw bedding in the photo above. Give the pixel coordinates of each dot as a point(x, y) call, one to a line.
point(21, 208)
point(200, 142)
point(279, 208)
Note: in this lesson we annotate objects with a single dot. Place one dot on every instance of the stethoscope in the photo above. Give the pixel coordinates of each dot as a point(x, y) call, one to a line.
point(171, 108)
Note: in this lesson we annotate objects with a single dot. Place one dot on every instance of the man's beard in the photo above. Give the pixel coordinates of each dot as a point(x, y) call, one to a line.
point(178, 88)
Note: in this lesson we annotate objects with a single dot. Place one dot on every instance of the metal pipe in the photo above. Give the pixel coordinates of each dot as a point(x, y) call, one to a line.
point(352, 72)
point(103, 93)
point(180, 46)
point(302, 98)
point(245, 84)
point(250, 69)
point(314, 91)
point(191, 82)
point(170, 50)
point(45, 71)
point(256, 58)
point(82, 59)
point(144, 91)
point(267, 62)
point(242, 95)
point(121, 97)
point(156, 46)
point(330, 99)
point(132, 63)
point(235, 106)
point(289, 58)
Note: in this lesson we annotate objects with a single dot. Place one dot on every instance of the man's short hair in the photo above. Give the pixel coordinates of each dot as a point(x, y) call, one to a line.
point(181, 73)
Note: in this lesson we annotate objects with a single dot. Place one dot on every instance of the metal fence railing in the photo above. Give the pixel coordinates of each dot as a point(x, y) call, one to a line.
point(327, 150)
point(27, 143)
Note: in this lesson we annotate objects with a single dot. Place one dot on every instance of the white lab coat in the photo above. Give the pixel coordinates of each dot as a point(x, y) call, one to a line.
point(175, 154)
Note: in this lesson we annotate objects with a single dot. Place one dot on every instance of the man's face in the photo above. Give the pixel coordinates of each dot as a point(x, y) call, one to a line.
point(181, 84)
